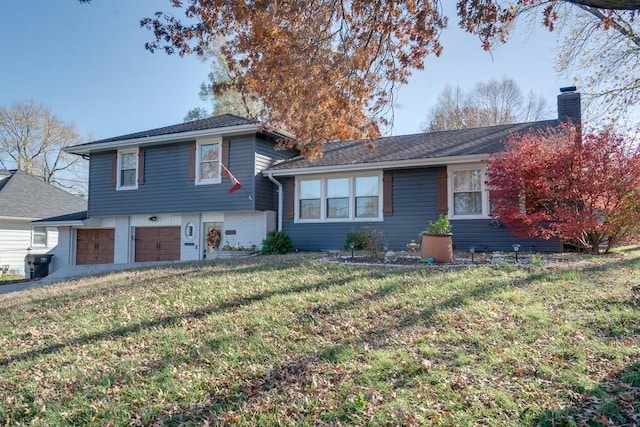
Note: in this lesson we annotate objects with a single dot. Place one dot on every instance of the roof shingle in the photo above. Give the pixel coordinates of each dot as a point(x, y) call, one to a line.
point(221, 121)
point(25, 196)
point(485, 140)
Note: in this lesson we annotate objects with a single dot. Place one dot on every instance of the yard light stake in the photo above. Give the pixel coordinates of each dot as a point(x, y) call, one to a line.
point(516, 248)
point(472, 249)
point(351, 245)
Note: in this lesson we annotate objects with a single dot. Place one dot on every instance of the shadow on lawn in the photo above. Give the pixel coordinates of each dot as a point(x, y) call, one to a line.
point(131, 280)
point(292, 383)
point(291, 379)
point(175, 319)
point(616, 401)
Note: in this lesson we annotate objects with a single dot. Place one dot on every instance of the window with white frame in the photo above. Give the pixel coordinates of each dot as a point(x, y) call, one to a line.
point(128, 169)
point(468, 197)
point(366, 196)
point(209, 154)
point(310, 193)
point(39, 236)
point(339, 198)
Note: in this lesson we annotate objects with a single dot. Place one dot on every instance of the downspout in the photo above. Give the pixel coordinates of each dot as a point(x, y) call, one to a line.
point(280, 199)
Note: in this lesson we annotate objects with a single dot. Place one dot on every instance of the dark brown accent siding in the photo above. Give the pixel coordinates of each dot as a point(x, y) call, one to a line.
point(141, 166)
point(442, 205)
point(225, 152)
point(114, 168)
point(192, 162)
point(387, 194)
point(291, 186)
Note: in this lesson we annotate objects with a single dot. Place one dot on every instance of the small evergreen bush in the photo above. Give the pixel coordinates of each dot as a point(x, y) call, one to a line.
point(276, 242)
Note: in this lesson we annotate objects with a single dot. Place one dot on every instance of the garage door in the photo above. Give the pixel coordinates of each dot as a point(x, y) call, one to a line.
point(94, 246)
point(157, 244)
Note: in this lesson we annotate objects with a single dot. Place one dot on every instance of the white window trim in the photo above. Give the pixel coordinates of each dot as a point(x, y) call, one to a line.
point(323, 199)
point(119, 170)
point(46, 238)
point(483, 188)
point(200, 143)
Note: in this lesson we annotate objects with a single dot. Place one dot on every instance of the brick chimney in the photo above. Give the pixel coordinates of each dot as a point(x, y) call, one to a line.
point(569, 105)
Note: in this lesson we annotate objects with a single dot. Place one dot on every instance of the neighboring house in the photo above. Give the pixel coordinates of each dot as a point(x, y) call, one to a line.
point(25, 198)
point(163, 194)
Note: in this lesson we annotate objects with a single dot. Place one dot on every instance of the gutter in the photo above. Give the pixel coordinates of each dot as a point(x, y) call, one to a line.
point(160, 139)
point(280, 199)
point(435, 161)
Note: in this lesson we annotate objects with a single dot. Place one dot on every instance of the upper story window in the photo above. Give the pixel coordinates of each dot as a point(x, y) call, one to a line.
point(468, 197)
point(128, 169)
point(339, 198)
point(39, 236)
point(208, 154)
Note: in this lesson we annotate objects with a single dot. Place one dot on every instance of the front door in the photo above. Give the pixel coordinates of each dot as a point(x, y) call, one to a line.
point(212, 239)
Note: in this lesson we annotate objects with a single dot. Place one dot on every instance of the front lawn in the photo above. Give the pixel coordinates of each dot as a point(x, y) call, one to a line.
point(292, 341)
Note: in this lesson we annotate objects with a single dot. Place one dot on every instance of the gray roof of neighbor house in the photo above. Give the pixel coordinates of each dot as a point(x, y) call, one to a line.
point(227, 124)
point(416, 148)
point(27, 197)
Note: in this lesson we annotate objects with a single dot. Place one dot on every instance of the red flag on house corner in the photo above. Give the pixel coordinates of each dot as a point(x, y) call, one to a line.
point(235, 184)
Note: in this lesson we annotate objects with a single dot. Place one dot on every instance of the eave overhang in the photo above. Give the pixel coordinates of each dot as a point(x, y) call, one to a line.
point(398, 164)
point(173, 138)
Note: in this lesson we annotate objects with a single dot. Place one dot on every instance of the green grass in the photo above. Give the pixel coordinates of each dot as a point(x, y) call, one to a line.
point(287, 340)
point(10, 278)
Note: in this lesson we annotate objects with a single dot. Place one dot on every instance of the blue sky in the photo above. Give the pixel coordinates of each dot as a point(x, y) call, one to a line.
point(87, 62)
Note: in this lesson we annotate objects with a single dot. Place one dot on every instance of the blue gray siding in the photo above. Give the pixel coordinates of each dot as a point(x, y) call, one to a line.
point(414, 203)
point(167, 188)
point(265, 157)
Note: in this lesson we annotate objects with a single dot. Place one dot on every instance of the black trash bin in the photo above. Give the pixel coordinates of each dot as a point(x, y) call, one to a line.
point(38, 265)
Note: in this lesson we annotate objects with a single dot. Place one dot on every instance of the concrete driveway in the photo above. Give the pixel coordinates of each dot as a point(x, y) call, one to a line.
point(76, 271)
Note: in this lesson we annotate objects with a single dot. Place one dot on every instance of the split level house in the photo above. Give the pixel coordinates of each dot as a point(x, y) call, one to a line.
point(184, 191)
point(25, 198)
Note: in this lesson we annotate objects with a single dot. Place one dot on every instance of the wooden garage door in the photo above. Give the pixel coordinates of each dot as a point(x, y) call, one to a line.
point(157, 244)
point(94, 246)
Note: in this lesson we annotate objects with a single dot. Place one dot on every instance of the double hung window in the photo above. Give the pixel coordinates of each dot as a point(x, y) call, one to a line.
point(39, 236)
point(208, 170)
point(468, 196)
point(128, 169)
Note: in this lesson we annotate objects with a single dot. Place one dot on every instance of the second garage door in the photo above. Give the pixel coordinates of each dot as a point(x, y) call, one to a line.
point(157, 244)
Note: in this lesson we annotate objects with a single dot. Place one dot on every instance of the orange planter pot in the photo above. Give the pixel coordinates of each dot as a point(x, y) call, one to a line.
point(437, 246)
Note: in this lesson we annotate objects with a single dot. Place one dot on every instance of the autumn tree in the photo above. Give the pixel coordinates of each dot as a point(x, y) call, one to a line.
point(329, 70)
point(489, 103)
point(551, 184)
point(601, 52)
point(32, 138)
point(599, 47)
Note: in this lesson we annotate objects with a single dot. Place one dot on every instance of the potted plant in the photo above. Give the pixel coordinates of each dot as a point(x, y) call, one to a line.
point(436, 240)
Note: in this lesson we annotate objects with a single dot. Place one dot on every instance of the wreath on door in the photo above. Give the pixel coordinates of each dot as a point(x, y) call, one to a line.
point(213, 238)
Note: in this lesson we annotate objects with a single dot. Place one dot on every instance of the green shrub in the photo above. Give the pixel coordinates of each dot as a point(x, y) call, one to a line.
point(364, 239)
point(441, 226)
point(277, 242)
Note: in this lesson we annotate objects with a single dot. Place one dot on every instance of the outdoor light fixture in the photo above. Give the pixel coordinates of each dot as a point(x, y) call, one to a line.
point(516, 248)
point(472, 249)
point(351, 245)
point(153, 218)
